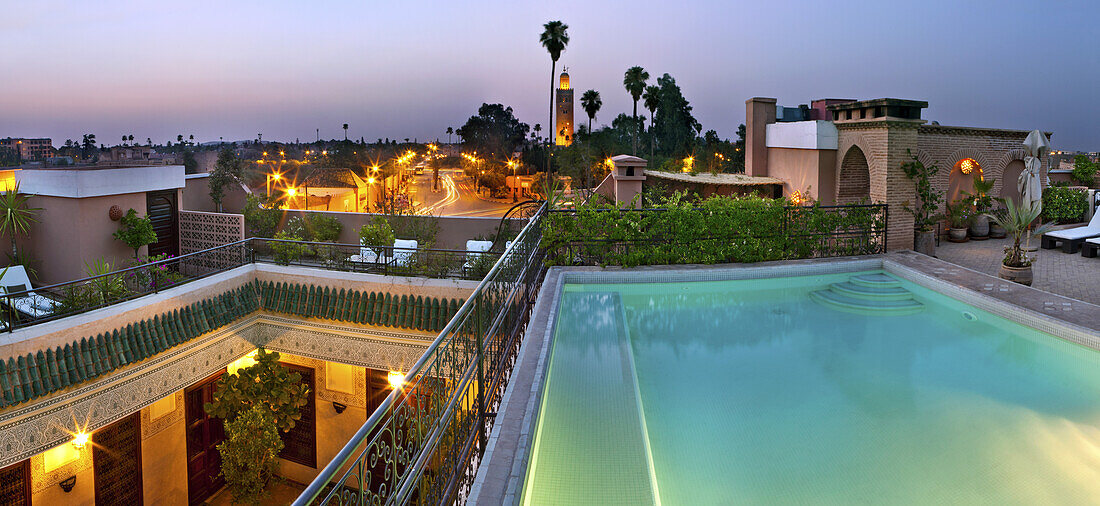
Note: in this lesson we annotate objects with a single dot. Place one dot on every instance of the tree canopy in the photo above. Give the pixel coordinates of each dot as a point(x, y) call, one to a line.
point(495, 131)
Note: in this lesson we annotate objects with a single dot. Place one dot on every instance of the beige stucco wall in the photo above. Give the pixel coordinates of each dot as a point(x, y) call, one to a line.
point(811, 171)
point(196, 196)
point(72, 232)
point(334, 430)
point(83, 493)
point(164, 456)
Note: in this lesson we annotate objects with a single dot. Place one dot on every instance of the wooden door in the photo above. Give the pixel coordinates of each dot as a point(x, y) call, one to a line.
point(164, 214)
point(301, 441)
point(15, 484)
point(204, 432)
point(116, 462)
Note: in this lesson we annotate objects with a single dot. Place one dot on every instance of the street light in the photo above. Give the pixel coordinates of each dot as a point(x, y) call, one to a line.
point(272, 177)
point(515, 182)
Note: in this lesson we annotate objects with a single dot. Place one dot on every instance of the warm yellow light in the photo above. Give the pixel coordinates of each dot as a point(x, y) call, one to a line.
point(324, 153)
point(797, 198)
point(265, 153)
point(241, 363)
point(290, 192)
point(968, 165)
point(80, 439)
point(396, 379)
point(276, 176)
point(374, 167)
point(370, 180)
point(282, 153)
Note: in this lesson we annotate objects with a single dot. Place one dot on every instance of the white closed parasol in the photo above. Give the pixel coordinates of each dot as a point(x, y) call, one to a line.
point(1029, 184)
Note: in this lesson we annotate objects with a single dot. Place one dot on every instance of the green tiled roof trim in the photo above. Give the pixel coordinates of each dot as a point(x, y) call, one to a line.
point(370, 308)
point(34, 375)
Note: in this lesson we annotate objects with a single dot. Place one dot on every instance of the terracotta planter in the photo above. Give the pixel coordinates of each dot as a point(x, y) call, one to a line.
point(925, 242)
point(1021, 275)
point(996, 231)
point(979, 228)
point(957, 234)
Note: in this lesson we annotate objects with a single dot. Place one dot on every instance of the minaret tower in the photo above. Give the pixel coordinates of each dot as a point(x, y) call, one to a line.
point(563, 111)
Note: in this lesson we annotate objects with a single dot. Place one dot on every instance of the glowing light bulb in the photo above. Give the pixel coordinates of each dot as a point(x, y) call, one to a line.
point(396, 379)
point(80, 439)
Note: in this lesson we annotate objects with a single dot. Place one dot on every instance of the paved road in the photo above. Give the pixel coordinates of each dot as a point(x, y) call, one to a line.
point(455, 197)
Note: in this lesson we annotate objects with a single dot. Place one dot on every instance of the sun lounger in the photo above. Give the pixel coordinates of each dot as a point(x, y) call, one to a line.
point(403, 250)
point(26, 301)
point(1072, 238)
point(1090, 247)
point(474, 250)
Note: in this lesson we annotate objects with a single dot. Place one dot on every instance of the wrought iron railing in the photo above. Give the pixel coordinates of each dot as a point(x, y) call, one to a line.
point(425, 440)
point(27, 307)
point(630, 237)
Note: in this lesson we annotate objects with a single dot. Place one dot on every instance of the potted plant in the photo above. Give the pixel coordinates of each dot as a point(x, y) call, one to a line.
point(983, 203)
point(958, 220)
point(996, 231)
point(1016, 220)
point(925, 214)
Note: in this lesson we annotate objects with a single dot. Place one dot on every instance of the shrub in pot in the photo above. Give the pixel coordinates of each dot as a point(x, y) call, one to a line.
point(983, 203)
point(925, 213)
point(958, 220)
point(1016, 220)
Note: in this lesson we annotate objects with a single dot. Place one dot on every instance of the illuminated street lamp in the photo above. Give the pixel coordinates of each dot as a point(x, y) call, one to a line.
point(515, 182)
point(272, 177)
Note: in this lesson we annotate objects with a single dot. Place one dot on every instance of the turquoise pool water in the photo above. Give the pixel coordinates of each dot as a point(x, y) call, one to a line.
point(752, 392)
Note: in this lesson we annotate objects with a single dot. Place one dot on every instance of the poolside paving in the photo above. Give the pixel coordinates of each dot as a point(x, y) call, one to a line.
point(1069, 275)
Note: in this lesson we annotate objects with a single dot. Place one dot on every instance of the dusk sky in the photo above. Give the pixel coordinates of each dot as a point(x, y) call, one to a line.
point(413, 68)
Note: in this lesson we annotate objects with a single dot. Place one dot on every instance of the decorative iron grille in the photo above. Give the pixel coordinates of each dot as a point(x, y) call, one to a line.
point(199, 231)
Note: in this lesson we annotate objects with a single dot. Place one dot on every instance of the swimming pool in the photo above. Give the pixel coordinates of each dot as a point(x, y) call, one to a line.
point(827, 389)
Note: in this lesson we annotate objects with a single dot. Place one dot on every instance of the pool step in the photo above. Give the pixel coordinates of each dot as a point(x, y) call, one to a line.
point(878, 280)
point(869, 294)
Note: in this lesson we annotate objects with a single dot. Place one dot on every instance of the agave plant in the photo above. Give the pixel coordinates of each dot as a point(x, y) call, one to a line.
point(1017, 220)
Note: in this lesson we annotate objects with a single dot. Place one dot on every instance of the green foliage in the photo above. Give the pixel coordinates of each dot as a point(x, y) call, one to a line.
point(227, 169)
point(925, 213)
point(148, 276)
point(495, 131)
point(716, 230)
point(25, 259)
point(1017, 221)
point(261, 218)
point(106, 287)
point(1084, 171)
point(377, 233)
point(673, 125)
point(249, 455)
point(267, 385)
point(190, 165)
point(1064, 205)
point(315, 227)
point(980, 199)
point(959, 214)
point(135, 231)
point(422, 228)
point(286, 252)
point(16, 215)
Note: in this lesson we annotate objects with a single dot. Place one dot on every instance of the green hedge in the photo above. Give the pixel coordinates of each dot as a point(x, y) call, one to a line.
point(719, 230)
point(1064, 204)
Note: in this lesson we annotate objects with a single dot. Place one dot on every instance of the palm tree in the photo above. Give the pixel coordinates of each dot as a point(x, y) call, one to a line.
point(192, 139)
point(179, 138)
point(634, 81)
point(345, 131)
point(15, 216)
point(591, 104)
point(449, 132)
point(131, 138)
point(123, 140)
point(149, 141)
point(554, 38)
point(538, 128)
point(651, 99)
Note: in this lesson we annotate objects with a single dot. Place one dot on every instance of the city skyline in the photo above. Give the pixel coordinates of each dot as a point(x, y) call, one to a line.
point(412, 70)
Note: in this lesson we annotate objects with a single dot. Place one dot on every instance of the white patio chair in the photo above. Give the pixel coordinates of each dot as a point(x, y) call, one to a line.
point(367, 255)
point(1072, 238)
point(474, 251)
point(14, 281)
point(403, 250)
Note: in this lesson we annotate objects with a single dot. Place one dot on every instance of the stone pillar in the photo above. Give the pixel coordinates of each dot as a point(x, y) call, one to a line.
point(759, 112)
point(899, 190)
point(628, 176)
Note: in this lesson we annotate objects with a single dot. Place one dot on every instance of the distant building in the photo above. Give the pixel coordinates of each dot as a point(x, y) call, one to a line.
point(563, 112)
point(839, 151)
point(29, 149)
